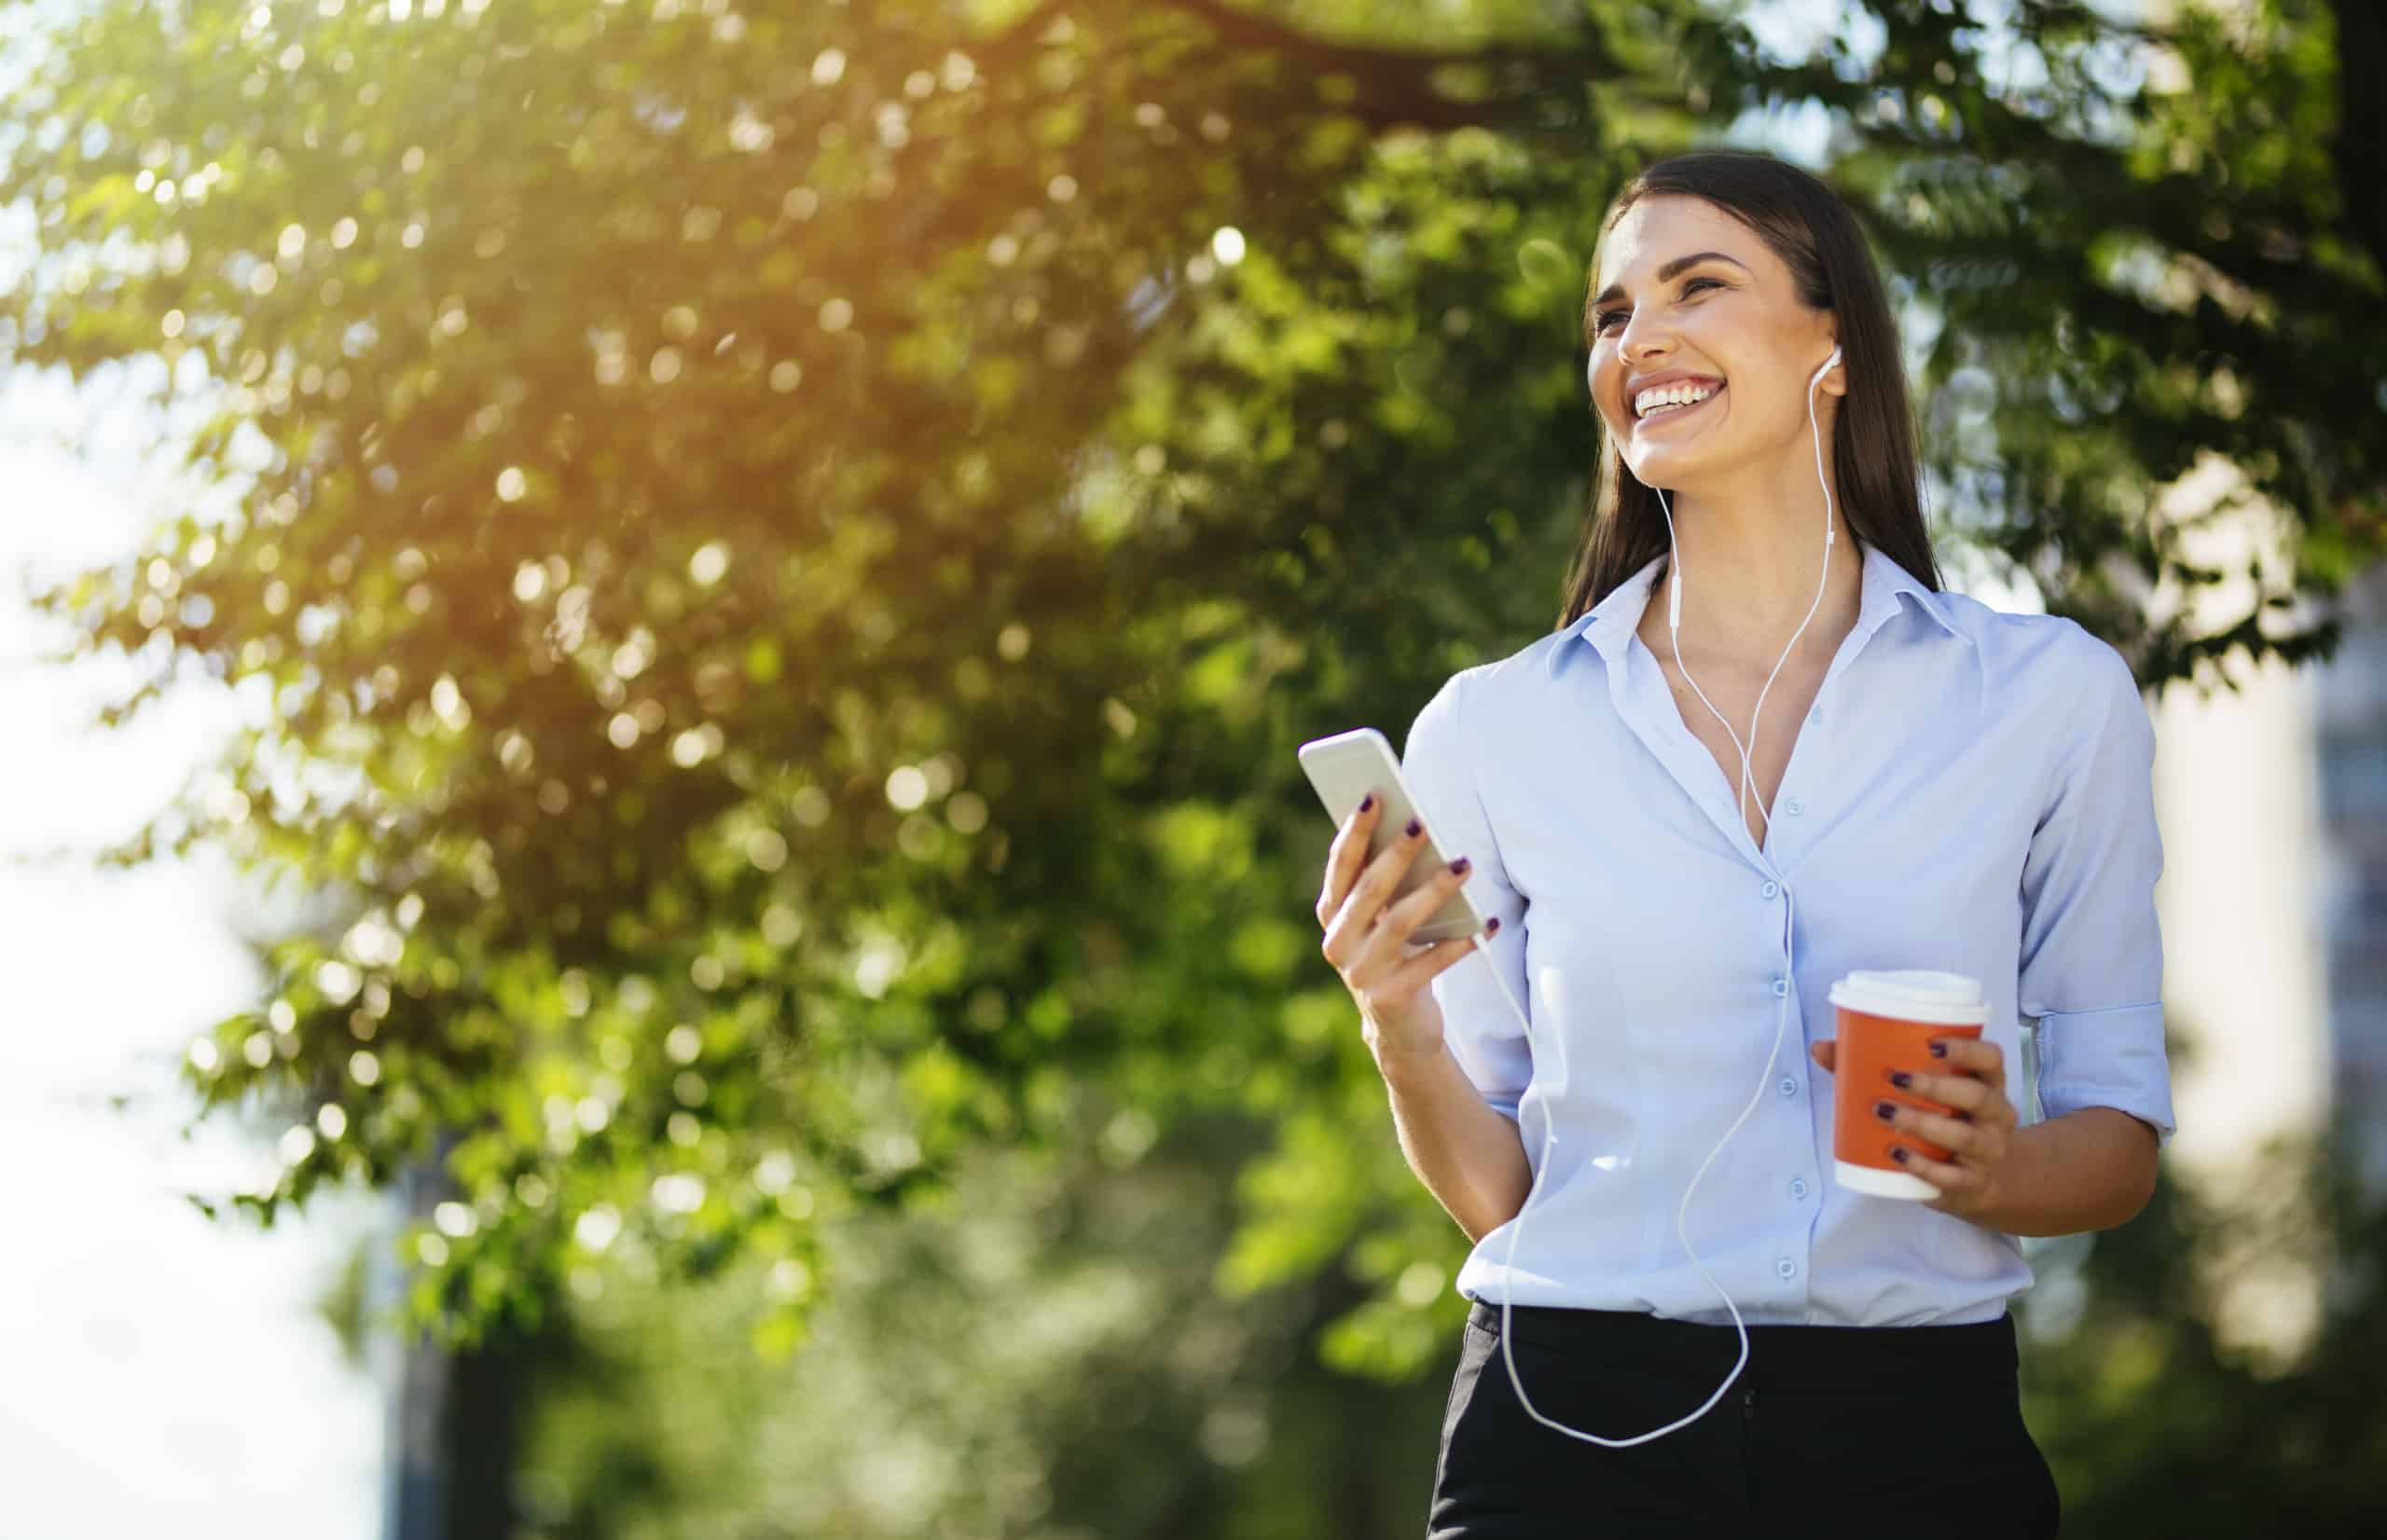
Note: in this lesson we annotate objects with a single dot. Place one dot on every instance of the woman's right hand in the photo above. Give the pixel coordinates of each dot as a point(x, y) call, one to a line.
point(1369, 944)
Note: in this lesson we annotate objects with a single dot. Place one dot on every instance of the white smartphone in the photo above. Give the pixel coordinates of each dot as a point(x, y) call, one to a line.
point(1348, 766)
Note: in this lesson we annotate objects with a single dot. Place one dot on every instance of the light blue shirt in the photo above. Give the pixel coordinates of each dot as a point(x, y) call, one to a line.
point(1972, 794)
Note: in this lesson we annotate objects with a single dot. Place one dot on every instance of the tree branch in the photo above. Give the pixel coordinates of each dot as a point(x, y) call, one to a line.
point(1395, 85)
point(2362, 126)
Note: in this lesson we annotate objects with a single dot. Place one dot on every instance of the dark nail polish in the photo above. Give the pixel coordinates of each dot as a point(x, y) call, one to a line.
point(1461, 864)
point(1490, 926)
point(1938, 1051)
point(1900, 1079)
point(1884, 1110)
point(1898, 1155)
point(1367, 802)
point(1414, 827)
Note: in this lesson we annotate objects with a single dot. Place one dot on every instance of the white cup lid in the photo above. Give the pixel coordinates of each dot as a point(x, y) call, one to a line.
point(1915, 995)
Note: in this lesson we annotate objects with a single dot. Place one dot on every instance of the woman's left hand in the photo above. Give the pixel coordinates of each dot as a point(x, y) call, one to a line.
point(1976, 1137)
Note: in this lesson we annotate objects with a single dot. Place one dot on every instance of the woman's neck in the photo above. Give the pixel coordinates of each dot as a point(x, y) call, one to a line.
point(1749, 568)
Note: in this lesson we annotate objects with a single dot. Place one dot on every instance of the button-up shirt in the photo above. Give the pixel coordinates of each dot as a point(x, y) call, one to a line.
point(1971, 793)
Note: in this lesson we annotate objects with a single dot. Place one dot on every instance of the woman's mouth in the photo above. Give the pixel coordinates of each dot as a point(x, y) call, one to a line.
point(1668, 413)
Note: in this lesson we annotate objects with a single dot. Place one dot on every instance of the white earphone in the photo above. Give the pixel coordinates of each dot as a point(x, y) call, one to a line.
point(1674, 598)
point(1674, 626)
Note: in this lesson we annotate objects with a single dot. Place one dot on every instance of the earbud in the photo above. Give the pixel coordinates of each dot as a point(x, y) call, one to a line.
point(1827, 363)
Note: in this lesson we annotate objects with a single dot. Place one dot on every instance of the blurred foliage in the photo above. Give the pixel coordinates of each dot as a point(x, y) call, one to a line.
point(783, 551)
point(2158, 1421)
point(1038, 1357)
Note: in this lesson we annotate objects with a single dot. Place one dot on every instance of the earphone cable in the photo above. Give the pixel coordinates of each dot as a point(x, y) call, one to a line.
point(1781, 1012)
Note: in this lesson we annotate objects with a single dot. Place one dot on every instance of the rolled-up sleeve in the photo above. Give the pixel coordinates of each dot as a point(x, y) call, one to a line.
point(1484, 1036)
point(2092, 958)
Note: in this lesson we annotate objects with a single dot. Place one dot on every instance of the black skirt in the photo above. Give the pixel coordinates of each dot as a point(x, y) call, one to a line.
point(1915, 1430)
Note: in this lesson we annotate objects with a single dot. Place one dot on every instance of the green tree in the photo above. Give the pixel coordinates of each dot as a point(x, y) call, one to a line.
point(793, 545)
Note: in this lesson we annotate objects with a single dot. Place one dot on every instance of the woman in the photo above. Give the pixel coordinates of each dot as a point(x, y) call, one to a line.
point(1761, 750)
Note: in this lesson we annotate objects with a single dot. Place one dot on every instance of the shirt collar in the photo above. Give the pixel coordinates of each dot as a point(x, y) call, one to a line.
point(1608, 625)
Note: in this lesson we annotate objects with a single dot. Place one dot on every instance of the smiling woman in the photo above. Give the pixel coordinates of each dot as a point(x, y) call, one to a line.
point(1711, 1328)
point(1717, 270)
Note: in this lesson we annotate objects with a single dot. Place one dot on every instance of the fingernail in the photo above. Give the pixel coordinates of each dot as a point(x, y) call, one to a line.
point(1884, 1110)
point(1938, 1051)
point(1490, 926)
point(1367, 802)
point(1898, 1155)
point(1900, 1079)
point(1414, 827)
point(1461, 864)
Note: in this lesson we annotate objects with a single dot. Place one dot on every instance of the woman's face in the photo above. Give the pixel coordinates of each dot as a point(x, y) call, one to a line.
point(1730, 323)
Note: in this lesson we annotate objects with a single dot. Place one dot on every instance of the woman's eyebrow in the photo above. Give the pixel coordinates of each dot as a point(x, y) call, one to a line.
point(1677, 265)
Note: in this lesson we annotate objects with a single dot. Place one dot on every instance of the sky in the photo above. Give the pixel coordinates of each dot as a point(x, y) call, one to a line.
point(160, 1373)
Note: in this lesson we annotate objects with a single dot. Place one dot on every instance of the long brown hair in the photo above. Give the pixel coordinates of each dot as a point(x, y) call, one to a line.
point(1875, 465)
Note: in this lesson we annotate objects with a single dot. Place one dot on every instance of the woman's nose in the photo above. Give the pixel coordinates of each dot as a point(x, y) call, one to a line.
point(1646, 335)
point(1638, 342)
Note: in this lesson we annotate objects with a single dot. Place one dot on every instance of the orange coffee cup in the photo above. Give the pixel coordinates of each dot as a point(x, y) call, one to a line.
point(1886, 1022)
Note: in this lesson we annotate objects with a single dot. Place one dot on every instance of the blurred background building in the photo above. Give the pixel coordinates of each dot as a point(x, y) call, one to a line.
point(2272, 798)
point(2349, 703)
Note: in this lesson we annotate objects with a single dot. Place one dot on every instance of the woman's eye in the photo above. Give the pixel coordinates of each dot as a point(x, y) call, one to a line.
point(1601, 322)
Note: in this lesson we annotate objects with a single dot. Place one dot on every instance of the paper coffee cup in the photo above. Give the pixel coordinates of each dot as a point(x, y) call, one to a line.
point(1886, 1022)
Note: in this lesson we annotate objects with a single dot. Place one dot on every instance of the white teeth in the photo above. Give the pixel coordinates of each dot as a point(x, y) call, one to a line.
point(1667, 397)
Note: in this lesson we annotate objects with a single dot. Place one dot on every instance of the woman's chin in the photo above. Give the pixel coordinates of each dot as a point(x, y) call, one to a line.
point(1673, 467)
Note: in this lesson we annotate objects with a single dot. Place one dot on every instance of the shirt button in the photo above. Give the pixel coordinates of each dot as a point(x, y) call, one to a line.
point(1789, 1086)
point(1781, 987)
point(1769, 891)
point(1798, 1186)
point(1786, 1268)
point(1794, 808)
